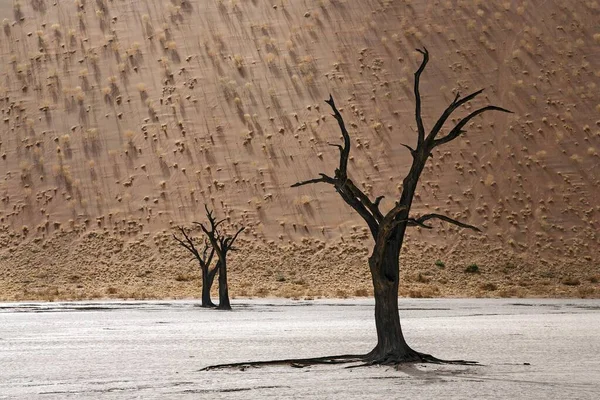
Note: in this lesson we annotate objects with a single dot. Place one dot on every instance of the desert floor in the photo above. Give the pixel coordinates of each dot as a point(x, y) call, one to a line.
point(154, 350)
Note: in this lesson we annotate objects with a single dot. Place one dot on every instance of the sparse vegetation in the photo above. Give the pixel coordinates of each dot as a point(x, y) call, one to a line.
point(472, 269)
point(57, 62)
point(571, 281)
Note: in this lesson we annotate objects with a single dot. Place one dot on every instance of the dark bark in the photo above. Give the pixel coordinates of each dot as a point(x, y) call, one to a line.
point(294, 362)
point(221, 244)
point(208, 277)
point(218, 244)
point(388, 229)
point(390, 340)
point(224, 303)
point(204, 259)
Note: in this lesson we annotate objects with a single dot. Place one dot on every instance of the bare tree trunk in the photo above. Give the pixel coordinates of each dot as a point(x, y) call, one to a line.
point(391, 346)
point(224, 303)
point(208, 277)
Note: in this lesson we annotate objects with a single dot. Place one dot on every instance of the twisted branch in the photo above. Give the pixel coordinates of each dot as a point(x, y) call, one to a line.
point(418, 73)
point(457, 130)
point(341, 172)
point(324, 178)
point(350, 193)
point(420, 221)
point(457, 102)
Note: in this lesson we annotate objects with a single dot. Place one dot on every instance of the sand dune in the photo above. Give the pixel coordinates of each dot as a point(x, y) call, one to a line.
point(120, 119)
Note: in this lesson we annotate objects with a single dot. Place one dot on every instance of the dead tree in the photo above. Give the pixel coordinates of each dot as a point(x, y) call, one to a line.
point(221, 244)
point(205, 259)
point(389, 228)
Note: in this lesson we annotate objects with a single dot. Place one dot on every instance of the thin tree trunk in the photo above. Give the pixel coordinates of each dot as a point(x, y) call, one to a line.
point(223, 289)
point(208, 277)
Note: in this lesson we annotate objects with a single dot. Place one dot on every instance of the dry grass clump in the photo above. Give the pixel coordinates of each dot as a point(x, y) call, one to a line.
point(571, 281)
point(185, 277)
point(489, 286)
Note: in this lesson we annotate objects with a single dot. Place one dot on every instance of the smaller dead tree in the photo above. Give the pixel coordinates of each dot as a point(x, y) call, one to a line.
point(221, 244)
point(205, 259)
point(214, 243)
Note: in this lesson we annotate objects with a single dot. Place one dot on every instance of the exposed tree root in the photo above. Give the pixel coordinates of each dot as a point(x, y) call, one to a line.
point(365, 360)
point(411, 357)
point(293, 362)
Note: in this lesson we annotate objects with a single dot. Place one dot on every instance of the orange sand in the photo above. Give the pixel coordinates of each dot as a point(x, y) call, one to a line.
point(120, 119)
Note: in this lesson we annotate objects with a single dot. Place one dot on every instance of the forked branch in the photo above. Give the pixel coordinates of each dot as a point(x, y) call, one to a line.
point(324, 178)
point(448, 112)
point(187, 242)
point(205, 258)
point(458, 129)
point(428, 144)
point(342, 171)
point(213, 221)
point(227, 241)
point(420, 221)
point(220, 243)
point(350, 193)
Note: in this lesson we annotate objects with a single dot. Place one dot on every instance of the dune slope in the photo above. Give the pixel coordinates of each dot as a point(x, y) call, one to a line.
point(121, 119)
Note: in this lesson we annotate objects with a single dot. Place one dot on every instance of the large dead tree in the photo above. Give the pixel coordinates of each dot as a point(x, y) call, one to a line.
point(388, 229)
point(205, 259)
point(222, 244)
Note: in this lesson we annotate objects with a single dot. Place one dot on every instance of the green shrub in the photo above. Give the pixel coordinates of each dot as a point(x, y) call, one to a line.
point(472, 269)
point(440, 264)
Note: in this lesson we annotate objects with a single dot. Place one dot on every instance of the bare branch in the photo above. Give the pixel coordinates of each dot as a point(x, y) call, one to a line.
point(208, 212)
point(448, 111)
point(412, 151)
point(230, 240)
point(339, 146)
point(183, 244)
point(418, 116)
point(364, 199)
point(341, 173)
point(324, 178)
point(421, 221)
point(209, 234)
point(457, 130)
point(351, 194)
point(414, 222)
point(350, 198)
point(211, 219)
point(188, 243)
